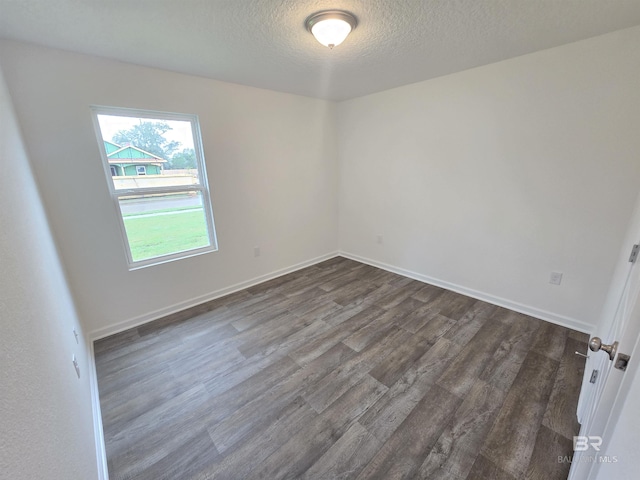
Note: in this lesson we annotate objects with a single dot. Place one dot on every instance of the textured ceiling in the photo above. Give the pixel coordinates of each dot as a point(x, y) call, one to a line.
point(263, 43)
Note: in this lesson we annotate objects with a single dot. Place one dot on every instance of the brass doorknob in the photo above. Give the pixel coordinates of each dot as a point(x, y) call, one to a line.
point(595, 344)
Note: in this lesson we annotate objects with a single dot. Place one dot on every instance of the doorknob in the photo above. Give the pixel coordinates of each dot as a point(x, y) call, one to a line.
point(596, 344)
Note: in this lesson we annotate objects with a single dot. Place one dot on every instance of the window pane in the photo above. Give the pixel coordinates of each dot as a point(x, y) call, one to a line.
point(155, 169)
point(158, 225)
point(159, 150)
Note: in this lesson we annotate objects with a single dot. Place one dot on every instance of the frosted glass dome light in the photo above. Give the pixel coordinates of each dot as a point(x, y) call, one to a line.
point(331, 27)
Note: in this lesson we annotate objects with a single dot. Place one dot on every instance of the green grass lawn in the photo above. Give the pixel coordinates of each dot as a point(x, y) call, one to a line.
point(155, 235)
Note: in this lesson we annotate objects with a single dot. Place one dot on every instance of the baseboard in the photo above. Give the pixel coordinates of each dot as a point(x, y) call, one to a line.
point(485, 297)
point(101, 453)
point(502, 302)
point(192, 302)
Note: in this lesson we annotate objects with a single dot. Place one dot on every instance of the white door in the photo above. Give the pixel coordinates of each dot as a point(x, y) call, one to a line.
point(600, 401)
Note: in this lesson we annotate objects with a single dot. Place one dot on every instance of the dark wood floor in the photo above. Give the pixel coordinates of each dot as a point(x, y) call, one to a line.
point(340, 371)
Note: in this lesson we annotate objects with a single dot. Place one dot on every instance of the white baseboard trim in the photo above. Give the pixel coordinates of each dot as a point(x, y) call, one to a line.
point(101, 453)
point(485, 297)
point(192, 302)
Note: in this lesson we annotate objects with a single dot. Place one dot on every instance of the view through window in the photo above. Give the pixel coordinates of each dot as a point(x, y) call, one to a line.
point(155, 169)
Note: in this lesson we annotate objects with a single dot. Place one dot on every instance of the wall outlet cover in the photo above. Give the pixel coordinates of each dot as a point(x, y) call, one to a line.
point(555, 278)
point(76, 365)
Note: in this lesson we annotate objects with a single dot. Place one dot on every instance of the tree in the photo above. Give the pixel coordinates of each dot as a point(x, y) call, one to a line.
point(148, 136)
point(184, 159)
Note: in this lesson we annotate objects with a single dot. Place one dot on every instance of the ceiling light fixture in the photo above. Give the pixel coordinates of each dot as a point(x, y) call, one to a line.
point(331, 27)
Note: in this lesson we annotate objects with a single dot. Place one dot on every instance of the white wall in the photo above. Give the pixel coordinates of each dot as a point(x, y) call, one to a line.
point(489, 179)
point(271, 160)
point(483, 181)
point(46, 428)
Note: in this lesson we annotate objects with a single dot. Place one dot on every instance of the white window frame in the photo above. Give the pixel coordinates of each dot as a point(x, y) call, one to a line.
point(141, 168)
point(202, 187)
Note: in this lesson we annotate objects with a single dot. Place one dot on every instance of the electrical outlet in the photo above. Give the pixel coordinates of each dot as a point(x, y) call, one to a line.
point(555, 278)
point(256, 251)
point(379, 239)
point(76, 365)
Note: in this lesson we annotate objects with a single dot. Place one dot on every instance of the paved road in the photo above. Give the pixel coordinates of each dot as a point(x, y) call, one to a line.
point(141, 205)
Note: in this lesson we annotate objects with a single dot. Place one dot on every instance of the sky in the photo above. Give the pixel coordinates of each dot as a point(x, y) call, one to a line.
point(181, 130)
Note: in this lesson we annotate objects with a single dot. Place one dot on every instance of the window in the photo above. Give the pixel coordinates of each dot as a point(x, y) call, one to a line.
point(155, 169)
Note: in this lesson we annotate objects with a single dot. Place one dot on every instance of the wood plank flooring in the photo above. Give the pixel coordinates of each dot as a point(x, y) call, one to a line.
point(340, 371)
